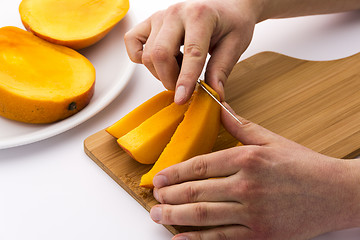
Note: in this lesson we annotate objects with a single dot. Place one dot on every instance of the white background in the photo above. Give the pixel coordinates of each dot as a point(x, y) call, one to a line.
point(52, 190)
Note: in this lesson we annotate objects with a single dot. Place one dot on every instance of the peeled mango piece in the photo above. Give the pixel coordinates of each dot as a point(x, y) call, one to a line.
point(141, 113)
point(146, 142)
point(195, 135)
point(73, 23)
point(41, 82)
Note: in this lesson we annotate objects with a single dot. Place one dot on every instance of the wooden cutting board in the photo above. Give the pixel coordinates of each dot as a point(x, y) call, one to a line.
point(316, 104)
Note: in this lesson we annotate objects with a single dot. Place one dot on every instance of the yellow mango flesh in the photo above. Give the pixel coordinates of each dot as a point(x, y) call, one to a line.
point(41, 82)
point(195, 135)
point(146, 142)
point(141, 113)
point(73, 23)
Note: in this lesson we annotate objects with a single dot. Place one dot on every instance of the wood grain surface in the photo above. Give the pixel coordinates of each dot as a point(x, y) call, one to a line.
point(316, 104)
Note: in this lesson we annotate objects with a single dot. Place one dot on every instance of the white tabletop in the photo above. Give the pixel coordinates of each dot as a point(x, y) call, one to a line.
point(51, 189)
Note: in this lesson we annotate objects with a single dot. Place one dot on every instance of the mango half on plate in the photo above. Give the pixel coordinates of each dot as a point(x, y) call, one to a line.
point(171, 135)
point(41, 82)
point(73, 23)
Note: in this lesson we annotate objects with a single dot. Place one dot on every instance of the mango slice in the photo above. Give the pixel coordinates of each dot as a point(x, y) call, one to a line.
point(41, 82)
point(195, 135)
point(141, 113)
point(146, 142)
point(73, 23)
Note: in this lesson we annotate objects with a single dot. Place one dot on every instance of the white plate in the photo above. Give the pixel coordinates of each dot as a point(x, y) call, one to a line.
point(113, 71)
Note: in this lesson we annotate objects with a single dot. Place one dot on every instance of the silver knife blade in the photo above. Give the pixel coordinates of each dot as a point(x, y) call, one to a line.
point(213, 97)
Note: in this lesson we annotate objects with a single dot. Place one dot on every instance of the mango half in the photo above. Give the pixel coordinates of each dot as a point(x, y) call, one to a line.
point(41, 82)
point(73, 23)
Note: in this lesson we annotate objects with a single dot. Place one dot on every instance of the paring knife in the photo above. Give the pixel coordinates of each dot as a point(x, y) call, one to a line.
point(200, 82)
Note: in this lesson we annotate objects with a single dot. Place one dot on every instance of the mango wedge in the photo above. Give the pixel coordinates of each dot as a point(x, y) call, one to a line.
point(195, 135)
point(146, 142)
point(141, 113)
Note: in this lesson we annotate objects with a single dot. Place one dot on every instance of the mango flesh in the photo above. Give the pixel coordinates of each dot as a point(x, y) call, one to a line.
point(73, 23)
point(41, 82)
point(141, 113)
point(146, 142)
point(195, 135)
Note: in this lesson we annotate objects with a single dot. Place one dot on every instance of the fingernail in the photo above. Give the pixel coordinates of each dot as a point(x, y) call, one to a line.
point(221, 86)
point(156, 214)
point(228, 107)
point(242, 121)
point(179, 94)
point(180, 238)
point(160, 181)
point(156, 194)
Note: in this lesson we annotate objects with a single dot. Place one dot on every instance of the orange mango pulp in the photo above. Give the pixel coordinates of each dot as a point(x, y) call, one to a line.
point(141, 113)
point(41, 82)
point(73, 23)
point(146, 142)
point(195, 135)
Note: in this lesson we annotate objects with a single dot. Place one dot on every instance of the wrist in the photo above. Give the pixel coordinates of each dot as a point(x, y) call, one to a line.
point(353, 181)
point(264, 9)
point(253, 8)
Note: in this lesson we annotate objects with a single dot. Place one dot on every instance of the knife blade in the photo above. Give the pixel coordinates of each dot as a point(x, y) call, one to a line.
point(200, 82)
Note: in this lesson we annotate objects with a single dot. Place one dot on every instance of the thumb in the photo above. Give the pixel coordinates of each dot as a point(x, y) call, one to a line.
point(248, 133)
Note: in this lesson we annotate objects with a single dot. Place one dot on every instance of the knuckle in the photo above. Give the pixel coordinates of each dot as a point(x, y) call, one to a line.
point(156, 16)
point(198, 9)
point(220, 235)
point(251, 158)
point(191, 193)
point(246, 191)
point(223, 71)
point(175, 176)
point(174, 9)
point(160, 54)
point(200, 168)
point(187, 77)
point(201, 213)
point(146, 59)
point(167, 215)
point(193, 50)
point(135, 55)
point(128, 36)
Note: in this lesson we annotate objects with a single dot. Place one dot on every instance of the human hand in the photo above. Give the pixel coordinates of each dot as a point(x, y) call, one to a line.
point(222, 28)
point(270, 188)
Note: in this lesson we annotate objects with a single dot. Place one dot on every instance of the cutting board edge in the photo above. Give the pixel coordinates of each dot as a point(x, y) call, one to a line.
point(170, 228)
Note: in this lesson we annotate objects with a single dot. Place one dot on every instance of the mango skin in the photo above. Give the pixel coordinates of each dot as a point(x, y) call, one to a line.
point(36, 84)
point(73, 23)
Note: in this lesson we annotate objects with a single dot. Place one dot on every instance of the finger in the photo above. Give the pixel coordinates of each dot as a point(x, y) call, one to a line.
point(199, 214)
point(156, 23)
point(198, 191)
point(166, 49)
point(135, 39)
point(217, 164)
point(248, 132)
point(223, 58)
point(198, 32)
point(225, 232)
